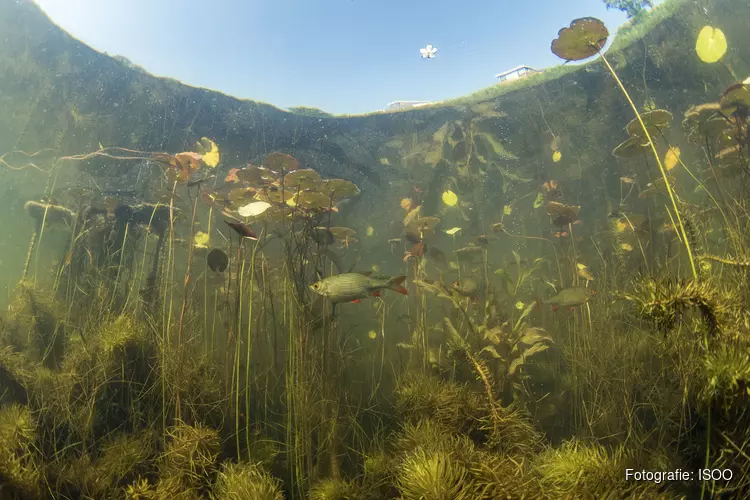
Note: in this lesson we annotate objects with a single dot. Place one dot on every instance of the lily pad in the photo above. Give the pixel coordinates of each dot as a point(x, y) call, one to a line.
point(630, 148)
point(654, 120)
point(736, 96)
point(711, 44)
point(425, 223)
point(581, 40)
point(281, 162)
point(302, 179)
point(311, 199)
point(253, 209)
point(209, 150)
point(338, 188)
point(342, 232)
point(450, 198)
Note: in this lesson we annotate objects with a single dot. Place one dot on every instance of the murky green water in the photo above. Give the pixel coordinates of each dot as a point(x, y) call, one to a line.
point(554, 291)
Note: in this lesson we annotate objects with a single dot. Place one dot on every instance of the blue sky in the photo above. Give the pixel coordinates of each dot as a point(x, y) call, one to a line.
point(343, 56)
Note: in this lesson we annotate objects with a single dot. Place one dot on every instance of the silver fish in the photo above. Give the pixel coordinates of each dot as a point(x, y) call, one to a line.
point(349, 287)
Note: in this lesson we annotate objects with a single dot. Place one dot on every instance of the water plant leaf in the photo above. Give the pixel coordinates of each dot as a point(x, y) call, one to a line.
point(539, 200)
point(452, 230)
point(338, 189)
point(532, 336)
point(630, 148)
point(654, 121)
point(534, 349)
point(302, 179)
point(209, 150)
point(556, 156)
point(281, 162)
point(450, 198)
point(507, 210)
point(201, 239)
point(672, 158)
point(253, 209)
point(711, 44)
point(581, 40)
point(490, 349)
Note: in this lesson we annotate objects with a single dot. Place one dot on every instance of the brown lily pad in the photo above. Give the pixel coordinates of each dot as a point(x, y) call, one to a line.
point(342, 232)
point(630, 148)
point(281, 162)
point(581, 40)
point(339, 189)
point(302, 179)
point(735, 97)
point(654, 120)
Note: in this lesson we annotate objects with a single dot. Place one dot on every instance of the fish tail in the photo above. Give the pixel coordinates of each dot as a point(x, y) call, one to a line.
point(395, 284)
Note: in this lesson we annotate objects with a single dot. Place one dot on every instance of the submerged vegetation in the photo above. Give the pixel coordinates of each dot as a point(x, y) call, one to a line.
point(208, 327)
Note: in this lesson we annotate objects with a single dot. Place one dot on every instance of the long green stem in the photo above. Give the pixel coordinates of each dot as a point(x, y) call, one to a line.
point(658, 161)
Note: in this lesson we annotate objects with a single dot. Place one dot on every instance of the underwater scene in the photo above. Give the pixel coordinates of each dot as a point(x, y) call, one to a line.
point(540, 290)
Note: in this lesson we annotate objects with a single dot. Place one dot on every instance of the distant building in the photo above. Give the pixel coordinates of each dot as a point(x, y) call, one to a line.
point(516, 73)
point(395, 105)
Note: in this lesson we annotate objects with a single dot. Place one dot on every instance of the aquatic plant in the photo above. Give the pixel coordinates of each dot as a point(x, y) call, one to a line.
point(244, 480)
point(20, 477)
point(590, 470)
point(586, 37)
point(433, 475)
point(666, 300)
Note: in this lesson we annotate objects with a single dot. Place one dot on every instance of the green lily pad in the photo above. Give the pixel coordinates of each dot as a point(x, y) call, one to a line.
point(581, 40)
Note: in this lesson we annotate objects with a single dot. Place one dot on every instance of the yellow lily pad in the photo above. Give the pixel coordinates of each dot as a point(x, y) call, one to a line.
point(209, 150)
point(450, 198)
point(711, 44)
point(201, 239)
point(672, 158)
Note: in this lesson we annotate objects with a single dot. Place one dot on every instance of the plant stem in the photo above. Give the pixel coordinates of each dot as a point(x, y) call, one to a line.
point(658, 161)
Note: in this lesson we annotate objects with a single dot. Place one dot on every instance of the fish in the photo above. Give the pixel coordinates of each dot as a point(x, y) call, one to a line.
point(243, 230)
point(352, 287)
point(570, 297)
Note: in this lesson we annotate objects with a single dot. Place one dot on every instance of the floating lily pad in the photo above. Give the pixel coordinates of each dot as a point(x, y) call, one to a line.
point(342, 232)
point(581, 40)
point(253, 209)
point(736, 96)
point(654, 121)
point(711, 44)
point(281, 162)
point(302, 179)
point(311, 199)
point(275, 194)
point(556, 209)
point(338, 188)
point(450, 198)
point(425, 223)
point(630, 148)
point(209, 151)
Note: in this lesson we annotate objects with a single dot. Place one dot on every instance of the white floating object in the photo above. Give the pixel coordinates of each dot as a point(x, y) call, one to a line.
point(428, 52)
point(254, 208)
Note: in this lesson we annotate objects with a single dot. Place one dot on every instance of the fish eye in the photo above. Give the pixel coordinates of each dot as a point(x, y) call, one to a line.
point(316, 286)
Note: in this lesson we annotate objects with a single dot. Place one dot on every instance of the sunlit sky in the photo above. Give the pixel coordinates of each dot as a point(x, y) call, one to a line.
point(343, 56)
